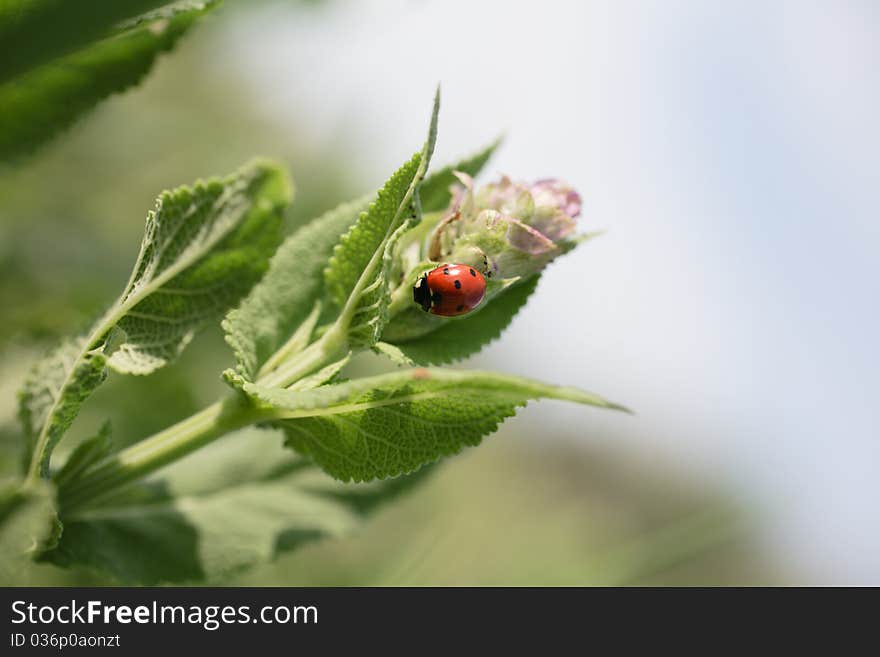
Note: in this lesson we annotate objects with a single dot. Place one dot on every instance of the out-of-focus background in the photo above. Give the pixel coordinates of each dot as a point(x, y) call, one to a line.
point(729, 150)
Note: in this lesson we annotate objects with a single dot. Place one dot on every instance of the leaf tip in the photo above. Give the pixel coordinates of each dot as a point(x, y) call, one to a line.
point(428, 151)
point(612, 406)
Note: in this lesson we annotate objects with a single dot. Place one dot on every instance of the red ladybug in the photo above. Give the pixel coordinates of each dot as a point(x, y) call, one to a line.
point(450, 290)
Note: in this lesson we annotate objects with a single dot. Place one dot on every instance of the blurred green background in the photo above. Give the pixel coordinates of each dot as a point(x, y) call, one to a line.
point(515, 511)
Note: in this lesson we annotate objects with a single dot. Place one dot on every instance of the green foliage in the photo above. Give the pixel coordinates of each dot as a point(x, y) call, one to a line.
point(203, 248)
point(86, 454)
point(35, 31)
point(263, 330)
point(95, 59)
point(357, 248)
point(332, 289)
point(434, 192)
point(282, 300)
point(27, 523)
point(419, 338)
point(327, 374)
point(392, 424)
point(53, 393)
point(394, 353)
point(425, 339)
point(239, 503)
point(358, 274)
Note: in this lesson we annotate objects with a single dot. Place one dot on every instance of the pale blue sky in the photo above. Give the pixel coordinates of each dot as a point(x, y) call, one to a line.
point(731, 151)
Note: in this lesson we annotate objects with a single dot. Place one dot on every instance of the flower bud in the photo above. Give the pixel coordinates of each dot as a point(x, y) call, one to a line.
point(506, 229)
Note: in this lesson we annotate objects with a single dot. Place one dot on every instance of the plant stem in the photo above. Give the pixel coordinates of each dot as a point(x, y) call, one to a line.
point(330, 347)
point(159, 450)
point(298, 341)
point(401, 299)
point(196, 431)
point(126, 301)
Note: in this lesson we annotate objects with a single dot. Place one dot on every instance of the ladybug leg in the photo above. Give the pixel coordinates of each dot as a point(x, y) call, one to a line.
point(486, 269)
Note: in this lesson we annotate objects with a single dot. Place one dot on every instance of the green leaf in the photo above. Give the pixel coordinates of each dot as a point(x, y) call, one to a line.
point(286, 295)
point(203, 248)
point(391, 424)
point(35, 31)
point(357, 276)
point(40, 103)
point(86, 454)
point(52, 394)
point(434, 192)
point(394, 353)
point(271, 322)
point(325, 375)
point(418, 337)
point(356, 250)
point(240, 502)
point(27, 524)
point(426, 339)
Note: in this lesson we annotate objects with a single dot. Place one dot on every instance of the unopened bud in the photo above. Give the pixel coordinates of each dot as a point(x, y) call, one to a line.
point(506, 229)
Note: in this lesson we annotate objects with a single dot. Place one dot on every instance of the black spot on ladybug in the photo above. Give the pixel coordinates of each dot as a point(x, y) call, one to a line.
point(473, 273)
point(433, 288)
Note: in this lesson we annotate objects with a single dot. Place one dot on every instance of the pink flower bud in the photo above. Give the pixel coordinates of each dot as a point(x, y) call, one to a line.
point(506, 228)
point(551, 192)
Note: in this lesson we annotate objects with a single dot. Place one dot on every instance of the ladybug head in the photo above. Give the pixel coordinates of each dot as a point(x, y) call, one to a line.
point(421, 293)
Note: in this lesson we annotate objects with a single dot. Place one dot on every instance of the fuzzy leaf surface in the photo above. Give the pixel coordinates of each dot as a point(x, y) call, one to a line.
point(280, 303)
point(238, 503)
point(357, 248)
point(283, 299)
point(392, 424)
point(202, 250)
point(53, 393)
point(358, 274)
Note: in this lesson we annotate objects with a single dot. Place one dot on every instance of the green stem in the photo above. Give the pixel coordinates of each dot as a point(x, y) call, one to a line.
point(401, 299)
point(298, 341)
point(332, 346)
point(196, 431)
point(159, 450)
point(126, 301)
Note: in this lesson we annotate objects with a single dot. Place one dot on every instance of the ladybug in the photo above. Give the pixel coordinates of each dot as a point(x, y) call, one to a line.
point(450, 290)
